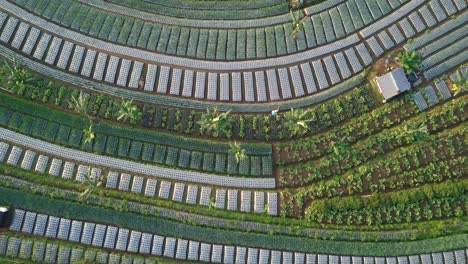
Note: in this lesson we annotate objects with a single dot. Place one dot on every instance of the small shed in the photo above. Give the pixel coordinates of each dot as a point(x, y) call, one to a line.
point(393, 83)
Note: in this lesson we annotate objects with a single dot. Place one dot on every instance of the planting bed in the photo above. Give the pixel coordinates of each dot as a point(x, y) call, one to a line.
point(233, 131)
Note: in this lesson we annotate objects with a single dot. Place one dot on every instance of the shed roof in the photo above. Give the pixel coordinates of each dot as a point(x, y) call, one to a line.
point(393, 83)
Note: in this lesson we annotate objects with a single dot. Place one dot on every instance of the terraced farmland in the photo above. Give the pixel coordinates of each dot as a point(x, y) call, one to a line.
point(233, 131)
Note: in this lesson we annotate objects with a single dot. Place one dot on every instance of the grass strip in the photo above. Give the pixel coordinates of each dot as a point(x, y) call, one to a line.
point(15, 110)
point(273, 225)
point(25, 106)
point(199, 216)
point(37, 203)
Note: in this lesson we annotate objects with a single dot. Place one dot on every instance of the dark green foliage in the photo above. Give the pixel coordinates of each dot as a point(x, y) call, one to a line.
point(224, 10)
point(256, 166)
point(4, 116)
point(241, 44)
point(106, 27)
point(30, 4)
point(61, 11)
point(124, 147)
point(164, 39)
point(183, 41)
point(172, 156)
point(184, 159)
point(280, 37)
point(26, 124)
point(75, 137)
point(192, 45)
point(270, 41)
point(208, 161)
point(144, 35)
point(51, 131)
point(15, 120)
point(125, 30)
point(98, 23)
point(135, 150)
point(112, 145)
point(154, 37)
point(134, 33)
point(41, 6)
point(159, 154)
point(173, 40)
point(267, 167)
point(231, 165)
point(100, 143)
point(220, 163)
point(196, 161)
point(80, 17)
point(70, 14)
point(63, 134)
point(39, 127)
point(51, 9)
point(115, 29)
point(231, 44)
point(260, 43)
point(212, 43)
point(201, 47)
point(148, 150)
point(244, 166)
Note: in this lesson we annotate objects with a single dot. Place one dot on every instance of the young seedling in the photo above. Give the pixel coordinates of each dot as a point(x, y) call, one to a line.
point(237, 151)
point(88, 134)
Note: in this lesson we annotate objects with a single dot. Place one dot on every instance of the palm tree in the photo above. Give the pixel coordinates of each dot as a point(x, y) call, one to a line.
point(237, 151)
point(297, 122)
point(410, 61)
point(298, 25)
point(216, 123)
point(89, 134)
point(460, 85)
point(129, 111)
point(92, 185)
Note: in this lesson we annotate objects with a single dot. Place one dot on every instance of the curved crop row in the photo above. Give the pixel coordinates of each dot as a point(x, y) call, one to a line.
point(345, 157)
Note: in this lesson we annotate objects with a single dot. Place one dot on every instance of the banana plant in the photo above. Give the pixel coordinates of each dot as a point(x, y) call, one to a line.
point(18, 77)
point(79, 103)
point(296, 121)
point(460, 85)
point(129, 111)
point(215, 123)
point(237, 151)
point(92, 185)
point(410, 61)
point(88, 134)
